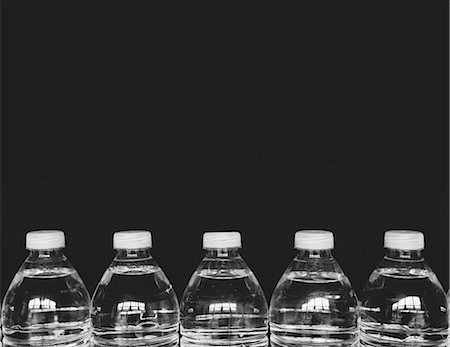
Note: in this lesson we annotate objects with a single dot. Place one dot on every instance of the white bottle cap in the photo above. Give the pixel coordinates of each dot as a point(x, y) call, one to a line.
point(45, 239)
point(132, 239)
point(222, 239)
point(314, 239)
point(406, 240)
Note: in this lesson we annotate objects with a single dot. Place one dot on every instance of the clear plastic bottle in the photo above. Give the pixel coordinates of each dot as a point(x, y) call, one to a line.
point(47, 303)
point(223, 304)
point(314, 304)
point(448, 317)
point(134, 303)
point(403, 303)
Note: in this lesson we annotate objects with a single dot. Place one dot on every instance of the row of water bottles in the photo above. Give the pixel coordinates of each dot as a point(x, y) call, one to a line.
point(313, 304)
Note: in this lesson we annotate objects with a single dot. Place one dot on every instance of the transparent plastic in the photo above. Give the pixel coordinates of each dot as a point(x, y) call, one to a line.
point(223, 304)
point(403, 303)
point(46, 304)
point(134, 303)
point(314, 304)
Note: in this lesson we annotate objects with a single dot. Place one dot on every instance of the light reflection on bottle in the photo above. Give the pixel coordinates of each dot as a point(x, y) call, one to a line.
point(41, 304)
point(222, 307)
point(408, 304)
point(130, 307)
point(316, 305)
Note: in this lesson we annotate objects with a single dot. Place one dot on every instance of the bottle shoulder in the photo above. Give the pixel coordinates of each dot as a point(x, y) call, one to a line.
point(222, 275)
point(59, 262)
point(38, 269)
point(134, 270)
point(403, 274)
point(402, 268)
point(222, 267)
point(149, 275)
point(143, 283)
point(61, 286)
point(413, 277)
point(134, 267)
point(312, 275)
point(326, 267)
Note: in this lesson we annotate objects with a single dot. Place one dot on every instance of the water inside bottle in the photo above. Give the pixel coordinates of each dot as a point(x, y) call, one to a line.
point(135, 306)
point(226, 308)
point(314, 309)
point(46, 307)
point(403, 309)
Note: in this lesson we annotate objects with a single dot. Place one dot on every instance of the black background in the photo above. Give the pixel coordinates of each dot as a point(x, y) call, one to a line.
point(261, 116)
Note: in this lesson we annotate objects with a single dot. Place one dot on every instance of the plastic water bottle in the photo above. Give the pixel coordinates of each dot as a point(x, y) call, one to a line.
point(448, 317)
point(223, 304)
point(134, 303)
point(313, 303)
point(403, 303)
point(47, 303)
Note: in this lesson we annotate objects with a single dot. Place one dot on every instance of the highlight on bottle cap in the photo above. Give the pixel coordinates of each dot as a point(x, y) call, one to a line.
point(45, 239)
point(406, 240)
point(314, 239)
point(132, 239)
point(222, 239)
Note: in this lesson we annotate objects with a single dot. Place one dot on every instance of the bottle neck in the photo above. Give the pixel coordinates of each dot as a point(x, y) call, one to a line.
point(324, 254)
point(223, 262)
point(404, 255)
point(46, 255)
point(317, 262)
point(222, 253)
point(133, 254)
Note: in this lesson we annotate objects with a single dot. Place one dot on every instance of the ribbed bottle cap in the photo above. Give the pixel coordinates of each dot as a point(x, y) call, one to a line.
point(132, 239)
point(314, 239)
point(45, 239)
point(404, 239)
point(222, 239)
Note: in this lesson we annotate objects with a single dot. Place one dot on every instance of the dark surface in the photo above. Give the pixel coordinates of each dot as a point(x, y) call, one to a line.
point(261, 116)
